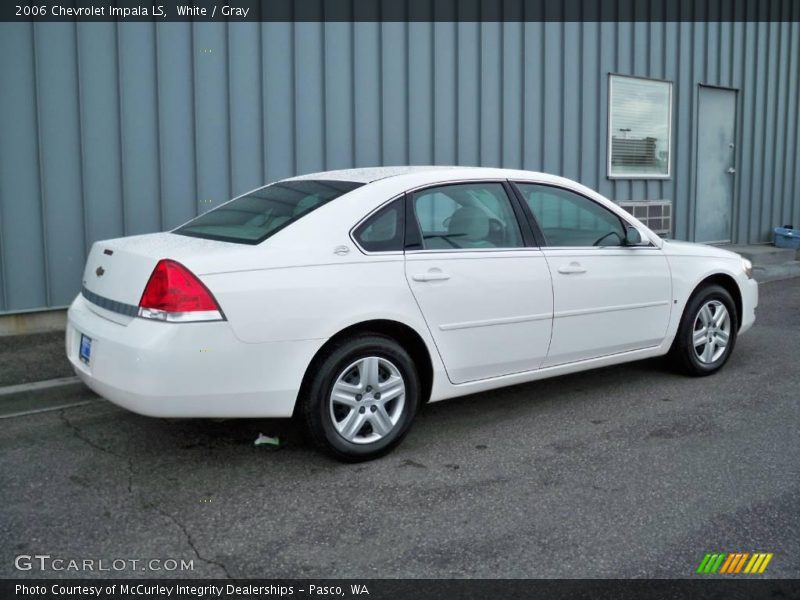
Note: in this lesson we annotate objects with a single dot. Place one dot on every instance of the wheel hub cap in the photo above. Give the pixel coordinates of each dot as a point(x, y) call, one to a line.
point(367, 400)
point(711, 333)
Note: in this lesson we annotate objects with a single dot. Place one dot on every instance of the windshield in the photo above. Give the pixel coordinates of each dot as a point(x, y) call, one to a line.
point(252, 218)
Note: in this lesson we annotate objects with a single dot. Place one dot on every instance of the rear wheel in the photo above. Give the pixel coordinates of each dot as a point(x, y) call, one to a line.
point(362, 398)
point(707, 332)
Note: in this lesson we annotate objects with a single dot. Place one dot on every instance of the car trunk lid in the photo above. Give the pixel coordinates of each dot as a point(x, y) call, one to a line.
point(118, 270)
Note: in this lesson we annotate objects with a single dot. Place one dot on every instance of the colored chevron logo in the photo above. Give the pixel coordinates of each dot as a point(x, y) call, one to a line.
point(734, 563)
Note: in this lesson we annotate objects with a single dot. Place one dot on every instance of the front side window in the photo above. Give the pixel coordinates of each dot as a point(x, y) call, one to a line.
point(383, 231)
point(466, 216)
point(569, 219)
point(639, 117)
point(252, 218)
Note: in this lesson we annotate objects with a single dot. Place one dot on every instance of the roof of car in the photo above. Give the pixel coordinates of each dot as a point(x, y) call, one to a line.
point(370, 174)
point(420, 174)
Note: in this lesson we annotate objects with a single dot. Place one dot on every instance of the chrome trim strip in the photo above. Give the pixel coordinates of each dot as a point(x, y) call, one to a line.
point(475, 250)
point(180, 317)
point(107, 303)
point(499, 321)
point(155, 315)
point(585, 249)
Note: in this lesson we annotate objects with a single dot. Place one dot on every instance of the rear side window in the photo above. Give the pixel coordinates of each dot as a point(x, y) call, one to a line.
point(252, 218)
point(383, 231)
point(466, 215)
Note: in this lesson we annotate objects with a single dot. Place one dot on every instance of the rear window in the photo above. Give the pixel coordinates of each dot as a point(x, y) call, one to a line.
point(252, 218)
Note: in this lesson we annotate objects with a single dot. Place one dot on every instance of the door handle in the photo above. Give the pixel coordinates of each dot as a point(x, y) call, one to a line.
point(431, 276)
point(731, 170)
point(572, 268)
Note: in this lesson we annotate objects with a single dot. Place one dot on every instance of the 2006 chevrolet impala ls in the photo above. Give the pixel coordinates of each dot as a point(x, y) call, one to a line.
point(350, 297)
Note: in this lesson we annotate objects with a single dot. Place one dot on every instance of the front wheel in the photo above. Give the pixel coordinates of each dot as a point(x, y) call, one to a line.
point(707, 332)
point(362, 398)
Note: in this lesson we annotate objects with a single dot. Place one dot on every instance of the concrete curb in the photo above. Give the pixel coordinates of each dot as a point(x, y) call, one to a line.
point(40, 321)
point(768, 273)
point(43, 396)
point(23, 388)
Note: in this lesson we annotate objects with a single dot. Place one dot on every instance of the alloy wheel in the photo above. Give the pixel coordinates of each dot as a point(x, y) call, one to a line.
point(367, 400)
point(711, 332)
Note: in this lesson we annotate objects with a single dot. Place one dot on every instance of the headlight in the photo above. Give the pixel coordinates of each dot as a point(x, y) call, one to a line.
point(747, 267)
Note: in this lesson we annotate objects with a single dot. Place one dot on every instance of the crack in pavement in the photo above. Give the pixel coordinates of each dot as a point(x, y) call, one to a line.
point(76, 431)
point(191, 542)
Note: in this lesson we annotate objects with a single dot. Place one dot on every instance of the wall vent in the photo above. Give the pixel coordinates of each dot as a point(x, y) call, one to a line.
point(656, 214)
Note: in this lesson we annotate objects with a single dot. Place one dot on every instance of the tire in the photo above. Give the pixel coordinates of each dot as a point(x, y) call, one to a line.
point(692, 353)
point(384, 413)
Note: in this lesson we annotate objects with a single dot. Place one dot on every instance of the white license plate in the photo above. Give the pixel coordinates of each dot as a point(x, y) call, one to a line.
point(85, 351)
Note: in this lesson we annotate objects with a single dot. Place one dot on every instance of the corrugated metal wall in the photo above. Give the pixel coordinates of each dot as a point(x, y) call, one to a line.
point(110, 130)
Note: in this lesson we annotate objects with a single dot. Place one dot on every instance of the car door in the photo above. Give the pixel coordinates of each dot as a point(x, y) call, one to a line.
point(483, 287)
point(608, 297)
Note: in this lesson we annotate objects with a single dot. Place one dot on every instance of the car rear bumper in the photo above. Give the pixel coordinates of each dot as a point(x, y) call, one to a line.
point(185, 369)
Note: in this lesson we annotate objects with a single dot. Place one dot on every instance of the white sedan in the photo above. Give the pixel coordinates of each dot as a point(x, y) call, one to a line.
point(350, 297)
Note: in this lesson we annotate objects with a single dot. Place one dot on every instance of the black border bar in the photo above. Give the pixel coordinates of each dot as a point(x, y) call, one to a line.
point(403, 10)
point(417, 589)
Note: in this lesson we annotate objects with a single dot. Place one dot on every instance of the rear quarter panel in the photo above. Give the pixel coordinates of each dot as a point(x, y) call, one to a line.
point(315, 301)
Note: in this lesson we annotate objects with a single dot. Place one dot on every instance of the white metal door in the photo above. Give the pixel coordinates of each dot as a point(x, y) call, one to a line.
point(489, 312)
point(607, 300)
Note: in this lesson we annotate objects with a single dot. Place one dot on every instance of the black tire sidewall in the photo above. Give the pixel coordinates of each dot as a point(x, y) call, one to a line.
point(317, 410)
point(706, 294)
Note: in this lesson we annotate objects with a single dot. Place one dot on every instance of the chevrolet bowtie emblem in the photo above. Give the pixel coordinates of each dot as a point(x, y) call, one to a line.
point(99, 272)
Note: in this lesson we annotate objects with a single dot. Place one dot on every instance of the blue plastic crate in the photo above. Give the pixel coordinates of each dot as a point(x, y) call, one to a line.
point(787, 238)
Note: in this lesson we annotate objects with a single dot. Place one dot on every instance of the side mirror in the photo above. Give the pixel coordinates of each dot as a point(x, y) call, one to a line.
point(634, 238)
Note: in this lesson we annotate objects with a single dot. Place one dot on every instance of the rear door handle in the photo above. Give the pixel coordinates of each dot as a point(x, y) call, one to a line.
point(432, 275)
point(572, 268)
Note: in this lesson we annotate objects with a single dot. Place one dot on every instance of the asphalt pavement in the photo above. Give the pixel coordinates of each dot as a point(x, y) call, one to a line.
point(628, 471)
point(30, 358)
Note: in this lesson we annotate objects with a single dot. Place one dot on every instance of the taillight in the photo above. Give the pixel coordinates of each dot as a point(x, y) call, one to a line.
point(174, 293)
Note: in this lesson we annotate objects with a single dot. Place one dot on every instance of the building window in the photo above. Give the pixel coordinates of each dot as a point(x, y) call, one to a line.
point(639, 126)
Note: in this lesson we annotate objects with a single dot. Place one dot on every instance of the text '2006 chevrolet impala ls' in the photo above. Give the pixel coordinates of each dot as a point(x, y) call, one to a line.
point(350, 297)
